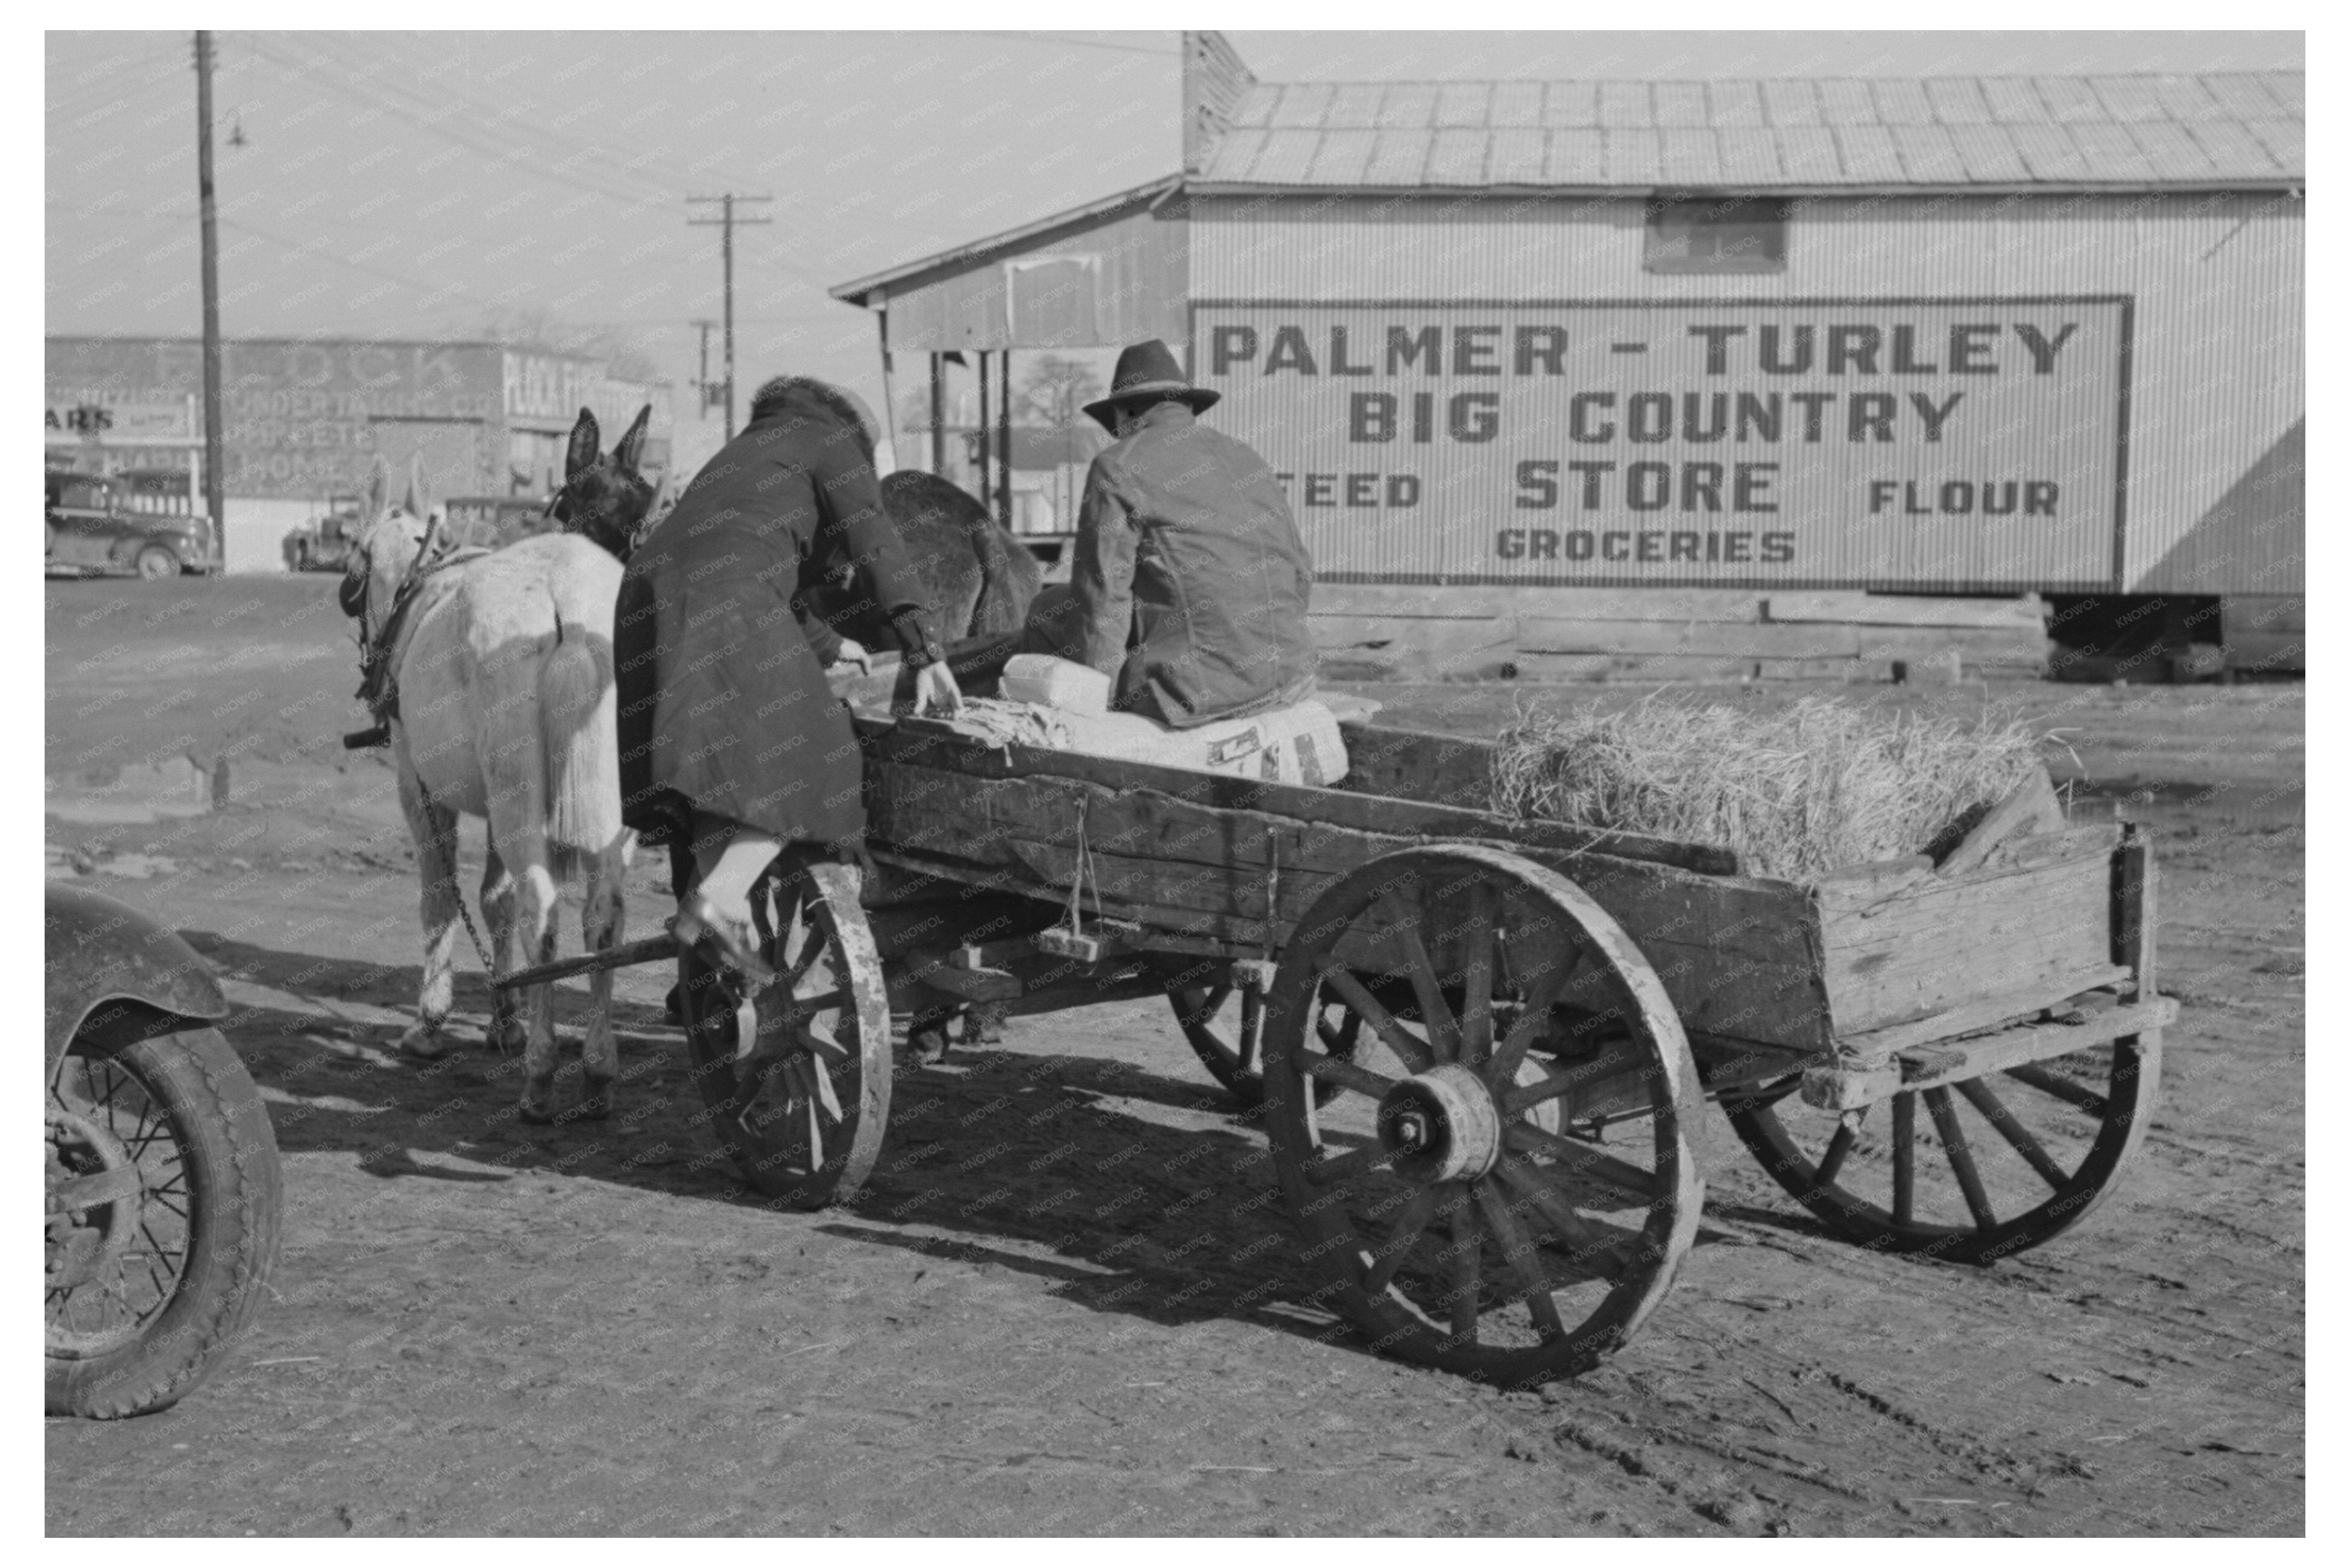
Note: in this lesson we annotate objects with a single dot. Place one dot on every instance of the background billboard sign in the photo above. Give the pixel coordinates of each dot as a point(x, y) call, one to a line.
point(1853, 442)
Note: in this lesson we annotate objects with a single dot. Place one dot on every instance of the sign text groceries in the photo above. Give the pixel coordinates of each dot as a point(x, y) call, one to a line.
point(1663, 434)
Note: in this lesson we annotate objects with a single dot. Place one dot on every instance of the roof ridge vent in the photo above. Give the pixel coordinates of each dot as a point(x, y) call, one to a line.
point(1214, 80)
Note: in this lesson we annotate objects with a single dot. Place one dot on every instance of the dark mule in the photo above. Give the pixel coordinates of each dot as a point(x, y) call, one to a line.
point(974, 576)
point(604, 498)
point(604, 494)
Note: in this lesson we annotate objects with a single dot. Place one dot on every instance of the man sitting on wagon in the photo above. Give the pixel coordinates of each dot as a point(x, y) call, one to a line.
point(1190, 583)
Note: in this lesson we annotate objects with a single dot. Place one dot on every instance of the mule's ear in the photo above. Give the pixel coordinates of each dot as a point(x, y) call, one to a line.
point(416, 502)
point(631, 449)
point(587, 442)
point(379, 488)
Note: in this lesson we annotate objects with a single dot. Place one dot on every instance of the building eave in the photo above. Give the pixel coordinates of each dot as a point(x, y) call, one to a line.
point(2293, 186)
point(858, 291)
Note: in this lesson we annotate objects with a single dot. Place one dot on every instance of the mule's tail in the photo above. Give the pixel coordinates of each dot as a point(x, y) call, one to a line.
point(578, 729)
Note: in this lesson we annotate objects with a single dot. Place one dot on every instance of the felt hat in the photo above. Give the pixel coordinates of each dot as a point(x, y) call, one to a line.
point(1148, 370)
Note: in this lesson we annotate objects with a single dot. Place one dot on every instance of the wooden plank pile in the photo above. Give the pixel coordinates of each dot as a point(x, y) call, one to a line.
point(1380, 632)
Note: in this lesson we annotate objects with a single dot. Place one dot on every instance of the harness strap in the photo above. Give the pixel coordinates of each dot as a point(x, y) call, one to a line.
point(379, 689)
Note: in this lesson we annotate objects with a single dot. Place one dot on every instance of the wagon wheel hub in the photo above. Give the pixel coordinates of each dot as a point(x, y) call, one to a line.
point(1441, 1125)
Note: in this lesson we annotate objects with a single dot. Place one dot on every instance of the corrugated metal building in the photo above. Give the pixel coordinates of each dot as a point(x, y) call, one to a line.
point(305, 417)
point(1962, 335)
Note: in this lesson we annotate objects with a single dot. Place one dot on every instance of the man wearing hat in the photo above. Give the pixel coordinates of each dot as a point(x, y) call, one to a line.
point(1190, 583)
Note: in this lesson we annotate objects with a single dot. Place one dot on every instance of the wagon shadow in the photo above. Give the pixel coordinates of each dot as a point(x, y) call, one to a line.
point(1026, 1162)
point(327, 1061)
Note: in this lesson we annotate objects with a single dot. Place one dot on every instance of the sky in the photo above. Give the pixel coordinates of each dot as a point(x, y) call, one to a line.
point(443, 185)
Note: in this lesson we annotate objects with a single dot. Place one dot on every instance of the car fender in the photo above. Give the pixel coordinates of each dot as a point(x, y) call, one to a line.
point(99, 952)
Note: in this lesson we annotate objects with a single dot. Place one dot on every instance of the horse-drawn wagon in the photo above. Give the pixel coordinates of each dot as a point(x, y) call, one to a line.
point(1479, 1045)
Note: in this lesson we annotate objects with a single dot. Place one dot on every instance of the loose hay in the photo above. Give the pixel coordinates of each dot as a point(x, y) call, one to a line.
point(1818, 786)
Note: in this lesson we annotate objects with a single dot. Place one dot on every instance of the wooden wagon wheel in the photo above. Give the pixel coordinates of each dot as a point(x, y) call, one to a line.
point(1506, 1184)
point(796, 1077)
point(1225, 1026)
point(2040, 1149)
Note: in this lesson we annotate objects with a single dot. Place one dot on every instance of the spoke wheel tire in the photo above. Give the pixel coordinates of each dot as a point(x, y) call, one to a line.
point(1970, 1172)
point(153, 1286)
point(155, 563)
point(796, 1077)
point(1505, 1184)
point(1225, 1027)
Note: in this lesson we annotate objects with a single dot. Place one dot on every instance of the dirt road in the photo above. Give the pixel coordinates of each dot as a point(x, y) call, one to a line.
point(1066, 1304)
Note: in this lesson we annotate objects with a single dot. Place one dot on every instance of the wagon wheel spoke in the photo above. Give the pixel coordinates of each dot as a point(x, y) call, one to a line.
point(1623, 1051)
point(1463, 1284)
point(1340, 1037)
point(2063, 1088)
point(1905, 1158)
point(1343, 1072)
point(1413, 1053)
point(1405, 918)
point(814, 945)
point(2002, 1120)
point(1477, 975)
point(1840, 1147)
point(1511, 1054)
point(1961, 1157)
point(1213, 1003)
point(1418, 1212)
point(1524, 1260)
point(1585, 1241)
point(1580, 1158)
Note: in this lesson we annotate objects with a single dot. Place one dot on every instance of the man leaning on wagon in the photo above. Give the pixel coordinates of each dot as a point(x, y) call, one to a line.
point(1191, 581)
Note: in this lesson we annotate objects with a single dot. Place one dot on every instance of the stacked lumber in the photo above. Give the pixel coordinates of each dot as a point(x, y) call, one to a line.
point(2262, 634)
point(1384, 632)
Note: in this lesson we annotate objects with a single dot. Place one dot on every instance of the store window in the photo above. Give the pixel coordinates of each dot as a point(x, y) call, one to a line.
point(1718, 235)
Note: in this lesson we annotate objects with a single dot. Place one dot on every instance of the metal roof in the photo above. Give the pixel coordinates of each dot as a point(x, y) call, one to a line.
point(2228, 131)
point(856, 292)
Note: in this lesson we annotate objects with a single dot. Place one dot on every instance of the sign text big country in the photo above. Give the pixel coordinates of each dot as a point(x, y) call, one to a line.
point(1845, 442)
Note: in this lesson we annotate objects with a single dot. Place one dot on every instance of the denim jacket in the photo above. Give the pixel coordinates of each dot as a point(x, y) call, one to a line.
point(1190, 584)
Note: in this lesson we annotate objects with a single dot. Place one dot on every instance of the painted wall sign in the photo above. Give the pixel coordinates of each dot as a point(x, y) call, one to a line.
point(304, 419)
point(115, 424)
point(1958, 442)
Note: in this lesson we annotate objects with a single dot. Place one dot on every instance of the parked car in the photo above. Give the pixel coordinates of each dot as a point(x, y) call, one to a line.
point(321, 543)
point(140, 522)
point(163, 1206)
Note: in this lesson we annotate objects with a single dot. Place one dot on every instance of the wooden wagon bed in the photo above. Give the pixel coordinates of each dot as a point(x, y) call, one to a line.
point(1865, 972)
point(1479, 1045)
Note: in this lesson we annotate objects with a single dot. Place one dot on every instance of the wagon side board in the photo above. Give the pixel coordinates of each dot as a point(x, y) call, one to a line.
point(929, 743)
point(1740, 958)
point(2038, 919)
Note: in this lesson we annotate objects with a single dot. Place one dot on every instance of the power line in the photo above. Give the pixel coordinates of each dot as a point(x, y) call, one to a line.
point(514, 156)
point(507, 119)
point(1036, 38)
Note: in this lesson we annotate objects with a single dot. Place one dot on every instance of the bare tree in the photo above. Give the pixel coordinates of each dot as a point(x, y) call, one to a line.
point(536, 327)
point(1055, 390)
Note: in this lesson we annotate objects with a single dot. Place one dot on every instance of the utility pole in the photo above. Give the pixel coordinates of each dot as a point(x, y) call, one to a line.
point(701, 384)
point(725, 222)
point(215, 471)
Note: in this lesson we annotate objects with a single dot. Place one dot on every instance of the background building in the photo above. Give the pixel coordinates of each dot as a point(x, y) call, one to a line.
point(305, 417)
point(1961, 336)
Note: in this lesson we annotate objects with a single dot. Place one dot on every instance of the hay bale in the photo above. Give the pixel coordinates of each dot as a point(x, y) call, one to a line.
point(1814, 787)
